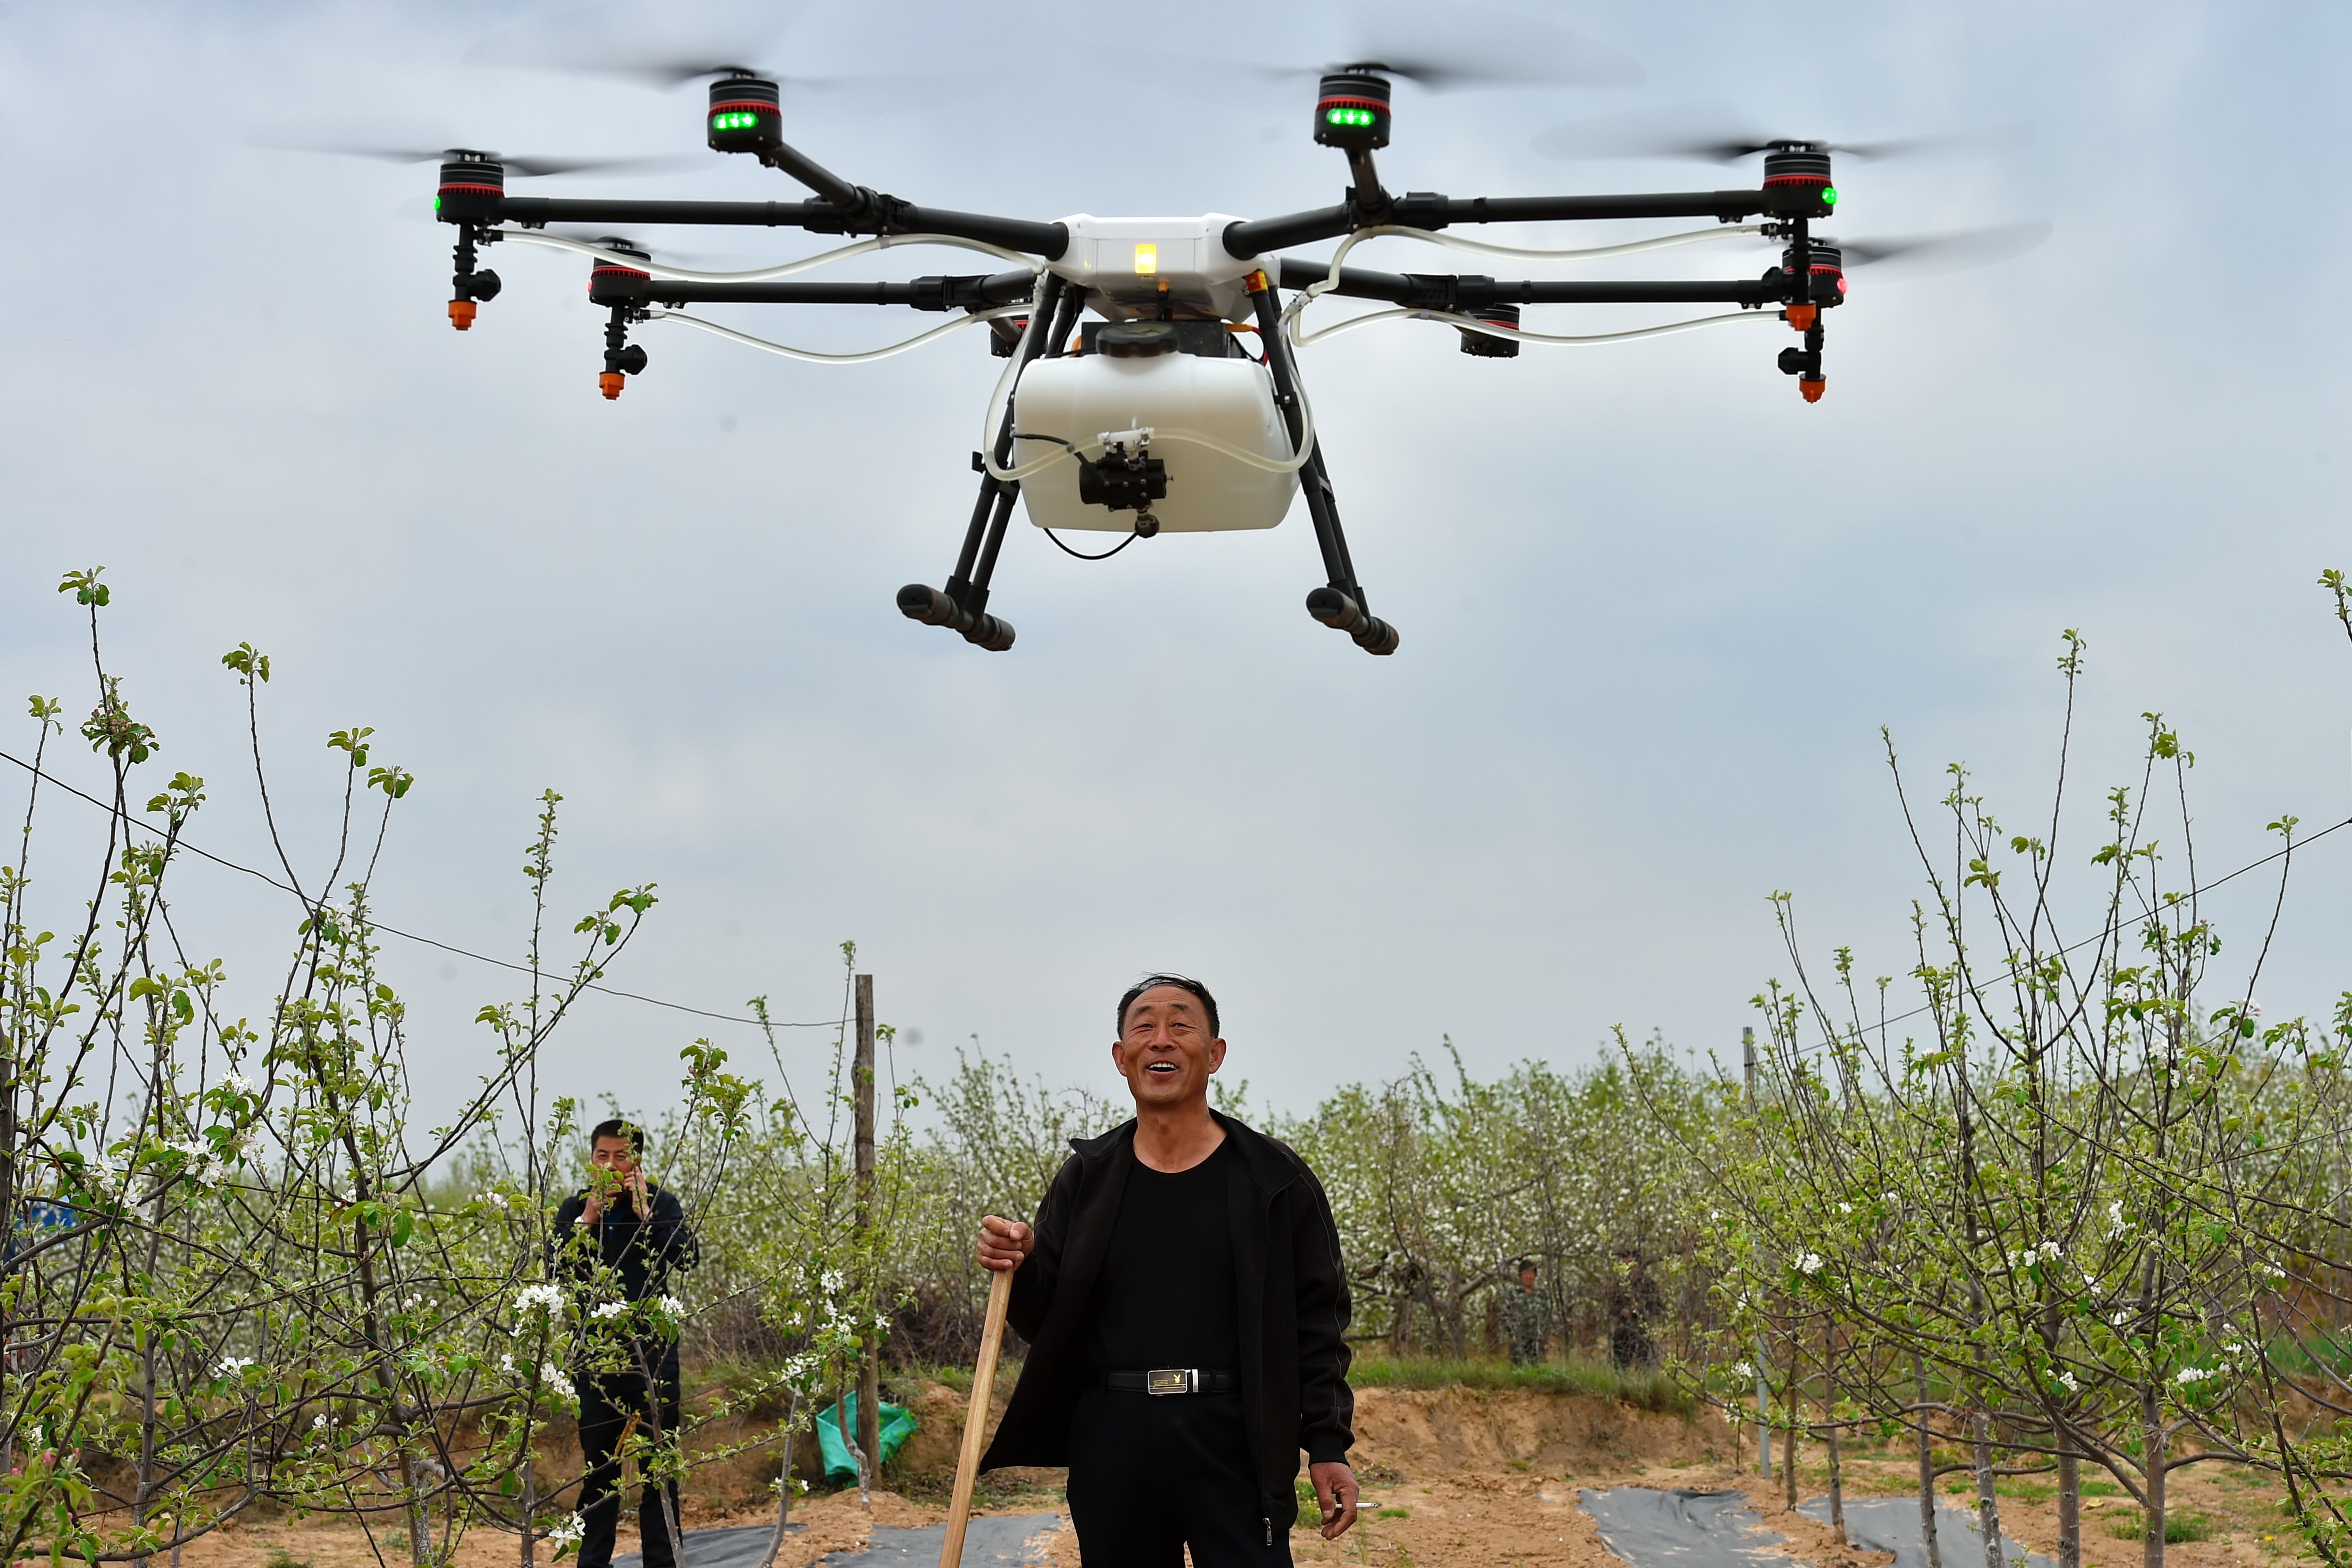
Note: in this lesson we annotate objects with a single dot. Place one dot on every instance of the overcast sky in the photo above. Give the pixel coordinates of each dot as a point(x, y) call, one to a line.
point(1655, 608)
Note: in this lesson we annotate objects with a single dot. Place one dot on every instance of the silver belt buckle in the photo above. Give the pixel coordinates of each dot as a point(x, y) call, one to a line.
point(1171, 1380)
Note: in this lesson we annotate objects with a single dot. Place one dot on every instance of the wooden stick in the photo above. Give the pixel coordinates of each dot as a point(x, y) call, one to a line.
point(975, 1420)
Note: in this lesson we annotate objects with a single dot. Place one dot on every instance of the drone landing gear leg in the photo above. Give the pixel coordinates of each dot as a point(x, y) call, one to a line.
point(964, 605)
point(1340, 603)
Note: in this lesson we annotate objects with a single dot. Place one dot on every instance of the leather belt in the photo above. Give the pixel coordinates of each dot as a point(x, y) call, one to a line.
point(1172, 1380)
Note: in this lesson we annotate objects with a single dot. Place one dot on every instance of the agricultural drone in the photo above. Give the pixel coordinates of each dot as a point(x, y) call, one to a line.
point(1153, 415)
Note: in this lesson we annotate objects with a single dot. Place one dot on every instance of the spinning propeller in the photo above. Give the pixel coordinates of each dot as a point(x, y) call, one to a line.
point(1707, 133)
point(511, 162)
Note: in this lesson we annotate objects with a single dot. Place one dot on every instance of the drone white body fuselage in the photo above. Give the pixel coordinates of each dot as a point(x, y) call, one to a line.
point(1145, 268)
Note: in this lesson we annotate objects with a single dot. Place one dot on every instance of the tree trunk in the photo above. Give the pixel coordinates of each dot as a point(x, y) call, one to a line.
point(2070, 1510)
point(1927, 1469)
point(1837, 1490)
point(784, 1477)
point(870, 1364)
point(1987, 1505)
point(2151, 1423)
point(530, 1499)
point(1829, 1432)
point(856, 1452)
point(1788, 1445)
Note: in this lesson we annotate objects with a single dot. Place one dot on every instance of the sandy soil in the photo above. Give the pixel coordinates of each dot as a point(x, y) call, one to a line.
point(1451, 1477)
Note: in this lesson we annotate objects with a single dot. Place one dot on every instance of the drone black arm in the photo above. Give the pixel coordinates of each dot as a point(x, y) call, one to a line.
point(966, 293)
point(1425, 209)
point(1256, 236)
point(1441, 292)
point(1045, 240)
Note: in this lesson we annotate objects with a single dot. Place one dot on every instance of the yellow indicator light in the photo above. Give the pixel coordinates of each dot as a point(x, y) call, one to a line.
point(1146, 259)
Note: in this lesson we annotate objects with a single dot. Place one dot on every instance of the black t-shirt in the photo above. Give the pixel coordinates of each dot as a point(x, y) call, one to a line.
point(1166, 1296)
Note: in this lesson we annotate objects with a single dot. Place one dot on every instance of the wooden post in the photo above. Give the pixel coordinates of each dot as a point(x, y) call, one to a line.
point(869, 1367)
point(975, 1419)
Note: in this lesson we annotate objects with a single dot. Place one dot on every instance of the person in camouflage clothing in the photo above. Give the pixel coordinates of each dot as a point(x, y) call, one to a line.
point(1523, 1318)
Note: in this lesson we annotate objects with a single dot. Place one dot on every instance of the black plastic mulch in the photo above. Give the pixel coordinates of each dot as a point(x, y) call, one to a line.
point(1650, 1528)
point(992, 1540)
point(1891, 1525)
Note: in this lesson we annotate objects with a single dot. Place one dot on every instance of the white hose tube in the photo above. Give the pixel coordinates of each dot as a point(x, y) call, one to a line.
point(811, 356)
point(763, 274)
point(1519, 335)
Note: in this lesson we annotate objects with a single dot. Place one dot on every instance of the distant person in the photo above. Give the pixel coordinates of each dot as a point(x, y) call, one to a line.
point(1184, 1300)
point(1523, 1318)
point(1633, 1304)
point(619, 1239)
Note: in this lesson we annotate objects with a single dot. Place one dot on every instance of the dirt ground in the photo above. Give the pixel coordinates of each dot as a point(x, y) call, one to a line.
point(1451, 1478)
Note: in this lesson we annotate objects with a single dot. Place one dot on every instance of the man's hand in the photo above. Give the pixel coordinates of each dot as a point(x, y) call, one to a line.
point(1005, 1243)
point(592, 1212)
point(1335, 1488)
point(635, 1184)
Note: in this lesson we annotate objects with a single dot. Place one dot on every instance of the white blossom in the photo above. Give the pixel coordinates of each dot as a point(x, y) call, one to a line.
point(543, 1294)
point(496, 1200)
point(231, 1365)
point(2065, 1380)
point(506, 1364)
point(1743, 1371)
point(2115, 1220)
point(831, 1282)
point(550, 1372)
point(2188, 1374)
point(609, 1309)
point(1809, 1262)
point(673, 1306)
point(240, 1083)
point(567, 1530)
point(1845, 1208)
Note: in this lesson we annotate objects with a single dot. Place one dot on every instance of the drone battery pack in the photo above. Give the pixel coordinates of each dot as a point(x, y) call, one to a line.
point(1079, 399)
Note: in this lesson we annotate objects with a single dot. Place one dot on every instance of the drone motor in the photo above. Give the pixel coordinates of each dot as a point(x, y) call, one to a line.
point(1351, 110)
point(746, 114)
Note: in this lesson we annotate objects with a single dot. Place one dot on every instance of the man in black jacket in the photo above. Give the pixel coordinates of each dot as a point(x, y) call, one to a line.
point(618, 1241)
point(1184, 1299)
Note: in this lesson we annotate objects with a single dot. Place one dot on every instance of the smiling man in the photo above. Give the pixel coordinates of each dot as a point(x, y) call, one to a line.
point(1185, 1305)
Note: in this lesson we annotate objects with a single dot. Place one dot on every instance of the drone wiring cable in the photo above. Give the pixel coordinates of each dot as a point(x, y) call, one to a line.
point(1482, 247)
point(1519, 334)
point(1082, 555)
point(764, 274)
point(812, 356)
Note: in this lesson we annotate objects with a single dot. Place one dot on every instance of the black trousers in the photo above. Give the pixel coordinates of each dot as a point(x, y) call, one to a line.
point(1152, 1474)
point(606, 1403)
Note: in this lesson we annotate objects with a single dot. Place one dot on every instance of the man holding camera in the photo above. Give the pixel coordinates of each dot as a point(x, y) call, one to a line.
point(618, 1240)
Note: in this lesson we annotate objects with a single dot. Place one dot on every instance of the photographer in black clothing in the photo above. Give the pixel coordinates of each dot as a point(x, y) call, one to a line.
point(1183, 1297)
point(619, 1240)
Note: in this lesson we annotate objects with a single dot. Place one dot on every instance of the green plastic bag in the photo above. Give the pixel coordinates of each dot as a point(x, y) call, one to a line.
point(898, 1424)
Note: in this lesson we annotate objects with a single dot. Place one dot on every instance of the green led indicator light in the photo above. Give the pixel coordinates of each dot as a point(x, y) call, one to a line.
point(1829, 195)
point(436, 204)
point(734, 121)
point(1348, 116)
